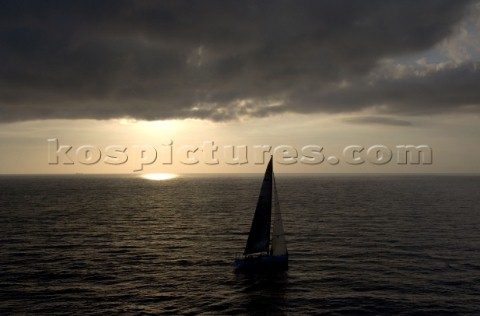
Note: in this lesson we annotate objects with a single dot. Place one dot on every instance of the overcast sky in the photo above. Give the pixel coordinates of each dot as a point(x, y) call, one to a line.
point(333, 73)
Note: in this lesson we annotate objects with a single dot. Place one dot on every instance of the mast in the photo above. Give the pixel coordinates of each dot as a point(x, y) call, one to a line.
point(279, 244)
point(259, 237)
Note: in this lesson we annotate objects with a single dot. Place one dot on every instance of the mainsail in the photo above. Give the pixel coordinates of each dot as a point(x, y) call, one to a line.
point(259, 237)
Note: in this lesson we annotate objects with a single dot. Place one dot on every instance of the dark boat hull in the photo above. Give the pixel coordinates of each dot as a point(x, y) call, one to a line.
point(262, 262)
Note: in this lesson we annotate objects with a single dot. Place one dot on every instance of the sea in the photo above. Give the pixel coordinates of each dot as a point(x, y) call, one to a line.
point(125, 245)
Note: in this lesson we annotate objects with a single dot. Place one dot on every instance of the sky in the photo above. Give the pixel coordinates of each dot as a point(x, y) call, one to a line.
point(202, 86)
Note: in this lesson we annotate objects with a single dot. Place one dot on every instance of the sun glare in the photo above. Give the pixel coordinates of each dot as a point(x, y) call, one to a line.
point(159, 176)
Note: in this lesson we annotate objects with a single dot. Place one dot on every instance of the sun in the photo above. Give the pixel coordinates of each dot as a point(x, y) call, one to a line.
point(159, 176)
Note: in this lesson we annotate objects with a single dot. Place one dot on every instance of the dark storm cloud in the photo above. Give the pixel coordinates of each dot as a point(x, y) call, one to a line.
point(440, 91)
point(220, 59)
point(378, 120)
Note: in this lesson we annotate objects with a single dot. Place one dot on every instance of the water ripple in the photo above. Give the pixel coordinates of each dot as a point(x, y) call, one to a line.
point(124, 245)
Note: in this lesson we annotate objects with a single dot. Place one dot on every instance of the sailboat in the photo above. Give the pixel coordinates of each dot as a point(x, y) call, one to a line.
point(266, 245)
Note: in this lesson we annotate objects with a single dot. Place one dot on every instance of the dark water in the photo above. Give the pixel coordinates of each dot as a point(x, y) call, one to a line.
point(122, 245)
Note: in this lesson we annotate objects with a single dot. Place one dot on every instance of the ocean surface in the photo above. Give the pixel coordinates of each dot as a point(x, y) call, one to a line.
point(124, 245)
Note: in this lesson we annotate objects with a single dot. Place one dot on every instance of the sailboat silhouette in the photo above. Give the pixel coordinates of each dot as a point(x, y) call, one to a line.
point(266, 245)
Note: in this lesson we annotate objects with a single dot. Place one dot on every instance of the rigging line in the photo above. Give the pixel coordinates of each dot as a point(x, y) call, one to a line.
point(277, 200)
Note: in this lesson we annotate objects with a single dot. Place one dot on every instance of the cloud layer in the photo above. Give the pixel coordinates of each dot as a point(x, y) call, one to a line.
point(222, 60)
